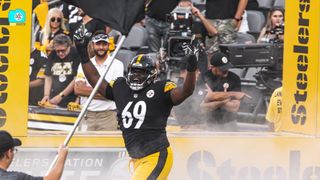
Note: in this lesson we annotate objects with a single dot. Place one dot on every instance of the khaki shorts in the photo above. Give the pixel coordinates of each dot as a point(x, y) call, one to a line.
point(100, 121)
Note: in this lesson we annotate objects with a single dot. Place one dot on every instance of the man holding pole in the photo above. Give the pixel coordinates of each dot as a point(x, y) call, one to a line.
point(7, 152)
point(143, 107)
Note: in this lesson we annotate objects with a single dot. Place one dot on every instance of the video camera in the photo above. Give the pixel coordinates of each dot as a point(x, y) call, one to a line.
point(266, 56)
point(277, 31)
point(179, 32)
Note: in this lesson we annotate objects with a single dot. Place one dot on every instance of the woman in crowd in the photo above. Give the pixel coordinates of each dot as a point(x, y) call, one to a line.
point(54, 25)
point(274, 28)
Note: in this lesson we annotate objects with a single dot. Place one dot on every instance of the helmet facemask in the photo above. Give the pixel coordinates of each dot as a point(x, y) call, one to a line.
point(139, 78)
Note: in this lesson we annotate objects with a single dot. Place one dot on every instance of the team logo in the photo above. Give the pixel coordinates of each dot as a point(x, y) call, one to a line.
point(224, 59)
point(62, 78)
point(150, 93)
point(225, 86)
point(17, 17)
point(135, 95)
point(31, 61)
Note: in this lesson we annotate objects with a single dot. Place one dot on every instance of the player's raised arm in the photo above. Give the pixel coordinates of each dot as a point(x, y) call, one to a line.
point(81, 39)
point(179, 94)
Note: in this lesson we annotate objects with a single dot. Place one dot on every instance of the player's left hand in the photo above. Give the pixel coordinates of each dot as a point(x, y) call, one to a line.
point(189, 49)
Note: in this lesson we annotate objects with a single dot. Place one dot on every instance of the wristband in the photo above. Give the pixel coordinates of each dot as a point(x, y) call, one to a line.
point(238, 19)
point(82, 51)
point(191, 63)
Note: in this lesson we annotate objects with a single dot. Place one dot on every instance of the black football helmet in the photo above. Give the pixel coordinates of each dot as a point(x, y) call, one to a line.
point(142, 71)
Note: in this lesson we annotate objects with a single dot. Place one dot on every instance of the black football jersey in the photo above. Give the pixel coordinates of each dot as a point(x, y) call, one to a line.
point(142, 115)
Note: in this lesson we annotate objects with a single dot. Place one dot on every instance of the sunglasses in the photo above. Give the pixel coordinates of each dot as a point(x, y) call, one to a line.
point(53, 19)
point(100, 37)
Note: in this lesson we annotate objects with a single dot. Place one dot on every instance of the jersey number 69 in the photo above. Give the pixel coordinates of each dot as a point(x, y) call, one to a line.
point(139, 113)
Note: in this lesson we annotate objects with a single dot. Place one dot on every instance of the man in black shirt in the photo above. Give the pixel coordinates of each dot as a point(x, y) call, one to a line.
point(225, 15)
point(156, 21)
point(7, 152)
point(38, 61)
point(60, 71)
point(224, 94)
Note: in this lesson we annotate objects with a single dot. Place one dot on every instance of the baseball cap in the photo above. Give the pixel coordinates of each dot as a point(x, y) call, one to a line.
point(221, 61)
point(7, 142)
point(100, 36)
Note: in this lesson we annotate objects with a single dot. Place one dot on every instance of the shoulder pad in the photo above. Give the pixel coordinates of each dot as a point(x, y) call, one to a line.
point(169, 86)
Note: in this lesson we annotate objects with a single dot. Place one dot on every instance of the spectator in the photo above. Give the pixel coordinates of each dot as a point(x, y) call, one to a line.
point(101, 114)
point(272, 30)
point(156, 21)
point(41, 10)
point(38, 61)
point(7, 153)
point(55, 25)
point(224, 94)
point(274, 111)
point(60, 71)
point(225, 15)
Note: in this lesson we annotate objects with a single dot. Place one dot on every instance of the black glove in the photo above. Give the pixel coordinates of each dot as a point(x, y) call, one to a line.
point(191, 58)
point(189, 49)
point(81, 39)
point(192, 63)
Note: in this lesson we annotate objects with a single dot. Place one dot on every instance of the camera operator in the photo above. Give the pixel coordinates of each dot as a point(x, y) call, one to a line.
point(225, 15)
point(274, 29)
point(183, 26)
point(156, 21)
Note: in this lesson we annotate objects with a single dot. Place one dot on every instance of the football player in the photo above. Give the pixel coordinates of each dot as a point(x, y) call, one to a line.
point(143, 106)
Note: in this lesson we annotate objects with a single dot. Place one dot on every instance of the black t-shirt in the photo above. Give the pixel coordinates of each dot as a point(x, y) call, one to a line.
point(158, 9)
point(63, 72)
point(142, 115)
point(217, 84)
point(252, 5)
point(221, 9)
point(12, 175)
point(38, 62)
point(92, 26)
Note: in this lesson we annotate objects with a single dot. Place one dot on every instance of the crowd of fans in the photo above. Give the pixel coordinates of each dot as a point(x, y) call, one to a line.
point(56, 79)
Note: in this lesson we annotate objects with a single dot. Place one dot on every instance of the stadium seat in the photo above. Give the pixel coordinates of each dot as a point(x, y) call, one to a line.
point(265, 4)
point(243, 38)
point(256, 20)
point(279, 3)
point(137, 37)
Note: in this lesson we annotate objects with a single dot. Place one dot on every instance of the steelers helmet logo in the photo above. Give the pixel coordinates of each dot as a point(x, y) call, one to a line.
point(150, 93)
point(224, 60)
point(62, 78)
point(31, 61)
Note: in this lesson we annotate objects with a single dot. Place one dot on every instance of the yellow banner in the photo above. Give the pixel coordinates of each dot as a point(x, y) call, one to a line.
point(235, 156)
point(15, 33)
point(301, 67)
